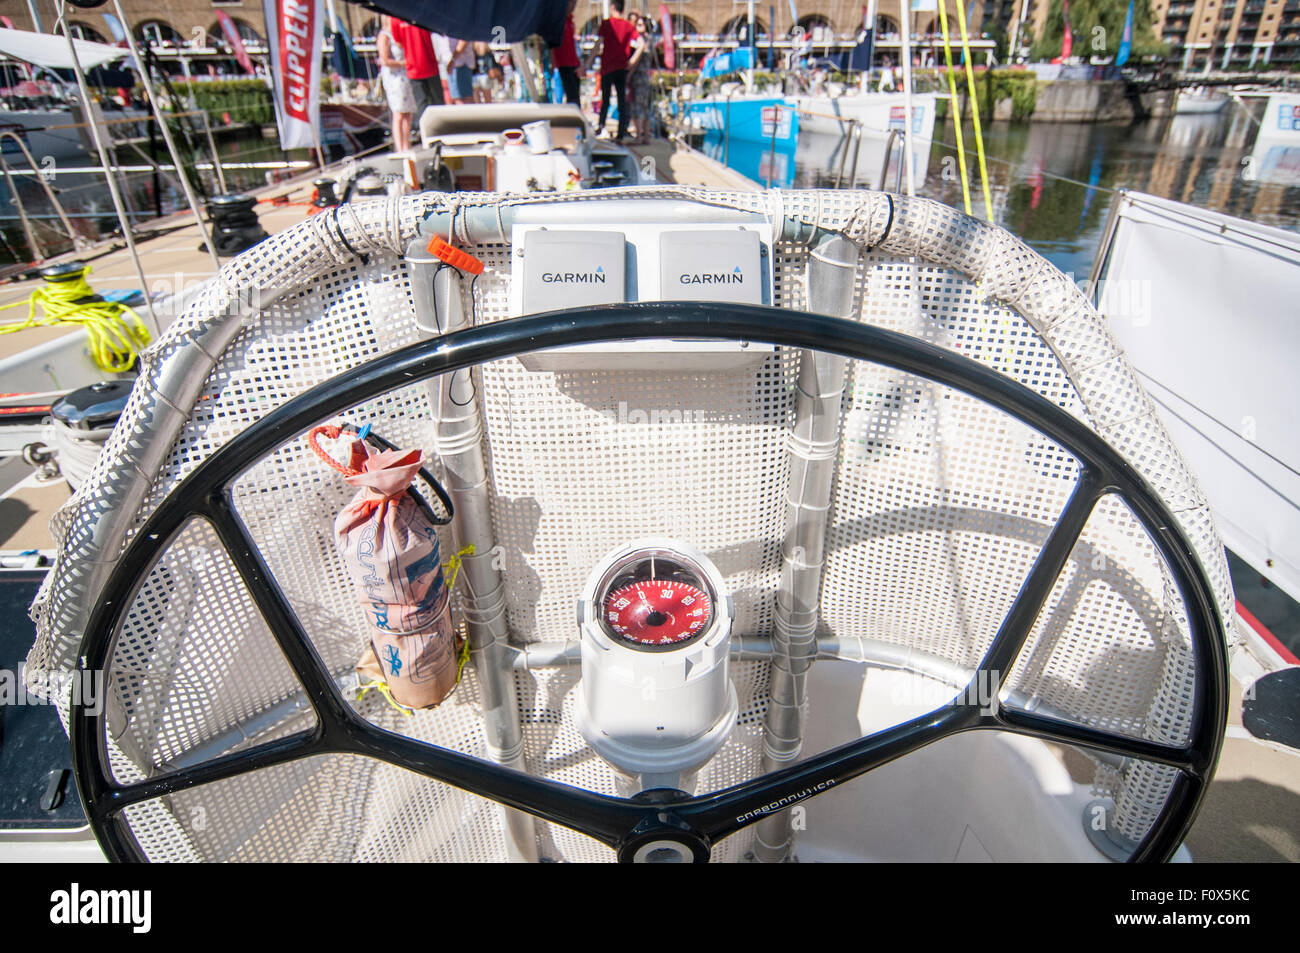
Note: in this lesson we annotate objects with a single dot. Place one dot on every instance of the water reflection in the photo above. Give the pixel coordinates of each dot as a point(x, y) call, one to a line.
point(86, 199)
point(1052, 183)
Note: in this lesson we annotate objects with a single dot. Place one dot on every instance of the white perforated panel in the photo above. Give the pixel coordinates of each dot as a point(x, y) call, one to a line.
point(939, 506)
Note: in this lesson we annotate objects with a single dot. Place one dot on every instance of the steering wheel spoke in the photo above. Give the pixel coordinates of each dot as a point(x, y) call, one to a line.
point(280, 751)
point(322, 691)
point(1052, 729)
point(1038, 585)
point(726, 812)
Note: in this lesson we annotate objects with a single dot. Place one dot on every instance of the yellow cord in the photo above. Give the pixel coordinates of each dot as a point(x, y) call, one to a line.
point(453, 567)
point(975, 112)
point(116, 332)
point(952, 90)
point(383, 689)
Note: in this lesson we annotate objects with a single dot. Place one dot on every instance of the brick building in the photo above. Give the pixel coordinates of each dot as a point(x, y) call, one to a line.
point(1229, 34)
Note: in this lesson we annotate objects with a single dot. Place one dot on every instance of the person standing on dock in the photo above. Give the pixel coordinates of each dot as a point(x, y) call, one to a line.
point(421, 65)
point(456, 57)
point(565, 58)
point(638, 78)
point(397, 86)
point(614, 47)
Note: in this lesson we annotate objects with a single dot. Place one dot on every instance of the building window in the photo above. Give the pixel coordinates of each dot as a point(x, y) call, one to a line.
point(157, 33)
point(737, 29)
point(82, 32)
point(247, 35)
point(819, 27)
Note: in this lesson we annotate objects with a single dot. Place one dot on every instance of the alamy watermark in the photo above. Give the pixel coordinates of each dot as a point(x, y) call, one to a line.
point(42, 688)
point(981, 692)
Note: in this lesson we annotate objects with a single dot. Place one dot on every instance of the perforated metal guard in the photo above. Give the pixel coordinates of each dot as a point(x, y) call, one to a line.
point(940, 505)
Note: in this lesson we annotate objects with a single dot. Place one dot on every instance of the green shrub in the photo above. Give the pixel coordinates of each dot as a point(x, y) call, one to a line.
point(245, 101)
point(993, 86)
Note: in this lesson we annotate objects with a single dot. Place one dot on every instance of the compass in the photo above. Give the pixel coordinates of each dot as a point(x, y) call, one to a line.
point(656, 600)
point(656, 700)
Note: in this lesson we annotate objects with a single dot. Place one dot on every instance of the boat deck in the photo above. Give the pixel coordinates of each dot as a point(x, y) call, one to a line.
point(171, 259)
point(1253, 809)
point(685, 166)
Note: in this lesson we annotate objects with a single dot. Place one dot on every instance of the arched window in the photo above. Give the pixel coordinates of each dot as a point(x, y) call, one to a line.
point(590, 27)
point(247, 34)
point(370, 29)
point(158, 33)
point(886, 26)
point(737, 29)
point(684, 26)
point(819, 26)
point(81, 31)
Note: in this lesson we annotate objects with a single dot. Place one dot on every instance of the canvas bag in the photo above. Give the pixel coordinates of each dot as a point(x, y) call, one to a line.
point(391, 551)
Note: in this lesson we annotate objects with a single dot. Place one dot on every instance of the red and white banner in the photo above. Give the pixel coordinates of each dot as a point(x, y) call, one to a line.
point(295, 42)
point(236, 42)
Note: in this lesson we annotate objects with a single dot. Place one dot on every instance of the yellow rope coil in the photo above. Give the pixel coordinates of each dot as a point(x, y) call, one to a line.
point(116, 332)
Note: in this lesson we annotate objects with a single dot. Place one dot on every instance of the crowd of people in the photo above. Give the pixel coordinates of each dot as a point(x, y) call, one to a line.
point(419, 69)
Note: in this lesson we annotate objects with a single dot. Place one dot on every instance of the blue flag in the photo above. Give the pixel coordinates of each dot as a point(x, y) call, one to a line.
point(114, 26)
point(1126, 40)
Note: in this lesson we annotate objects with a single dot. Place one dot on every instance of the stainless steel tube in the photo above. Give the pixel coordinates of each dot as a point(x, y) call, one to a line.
point(813, 446)
point(459, 445)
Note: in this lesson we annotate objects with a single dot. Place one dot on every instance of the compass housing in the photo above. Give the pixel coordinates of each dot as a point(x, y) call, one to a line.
point(656, 700)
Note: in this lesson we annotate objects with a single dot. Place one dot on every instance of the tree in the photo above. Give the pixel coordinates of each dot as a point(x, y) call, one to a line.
point(1098, 26)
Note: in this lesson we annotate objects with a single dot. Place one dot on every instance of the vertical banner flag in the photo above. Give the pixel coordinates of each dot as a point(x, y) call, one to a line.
point(114, 27)
point(1126, 39)
point(295, 41)
point(236, 42)
point(1067, 35)
point(670, 50)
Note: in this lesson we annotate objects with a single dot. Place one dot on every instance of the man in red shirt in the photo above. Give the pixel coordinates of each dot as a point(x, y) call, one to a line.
point(421, 66)
point(615, 48)
point(565, 59)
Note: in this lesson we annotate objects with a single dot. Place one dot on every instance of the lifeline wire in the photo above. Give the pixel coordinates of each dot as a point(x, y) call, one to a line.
point(952, 91)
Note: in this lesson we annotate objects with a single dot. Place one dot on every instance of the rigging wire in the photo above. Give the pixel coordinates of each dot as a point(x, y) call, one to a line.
point(952, 92)
point(118, 205)
point(975, 113)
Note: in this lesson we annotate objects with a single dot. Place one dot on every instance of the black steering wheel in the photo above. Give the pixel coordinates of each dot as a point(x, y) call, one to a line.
point(651, 821)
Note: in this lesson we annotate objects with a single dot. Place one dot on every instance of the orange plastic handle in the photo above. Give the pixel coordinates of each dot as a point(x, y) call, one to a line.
point(454, 256)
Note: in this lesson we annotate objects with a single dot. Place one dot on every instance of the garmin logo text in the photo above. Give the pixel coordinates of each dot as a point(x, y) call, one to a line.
point(76, 906)
point(784, 801)
point(597, 277)
point(734, 277)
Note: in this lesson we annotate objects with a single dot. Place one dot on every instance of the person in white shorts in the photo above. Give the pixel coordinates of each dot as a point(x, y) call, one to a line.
point(397, 86)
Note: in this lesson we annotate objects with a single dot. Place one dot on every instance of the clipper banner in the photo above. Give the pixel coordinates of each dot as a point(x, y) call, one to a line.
point(295, 43)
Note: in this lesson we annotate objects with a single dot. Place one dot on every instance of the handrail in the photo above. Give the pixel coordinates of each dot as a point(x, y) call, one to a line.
point(148, 117)
point(32, 243)
point(900, 134)
point(854, 135)
point(78, 242)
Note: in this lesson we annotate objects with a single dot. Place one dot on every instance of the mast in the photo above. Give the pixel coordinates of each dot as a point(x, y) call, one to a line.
point(36, 17)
